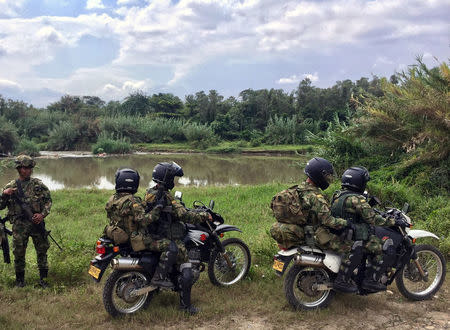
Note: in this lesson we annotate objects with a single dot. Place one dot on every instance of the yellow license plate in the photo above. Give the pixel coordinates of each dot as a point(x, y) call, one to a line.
point(278, 265)
point(94, 271)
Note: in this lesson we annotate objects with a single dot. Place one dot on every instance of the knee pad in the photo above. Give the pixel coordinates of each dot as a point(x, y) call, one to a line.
point(388, 247)
point(187, 275)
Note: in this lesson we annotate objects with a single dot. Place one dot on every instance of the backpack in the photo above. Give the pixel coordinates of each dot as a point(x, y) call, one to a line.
point(287, 207)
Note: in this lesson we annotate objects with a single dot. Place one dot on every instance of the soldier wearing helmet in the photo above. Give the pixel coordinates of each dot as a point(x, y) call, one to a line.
point(169, 229)
point(350, 203)
point(315, 224)
point(37, 196)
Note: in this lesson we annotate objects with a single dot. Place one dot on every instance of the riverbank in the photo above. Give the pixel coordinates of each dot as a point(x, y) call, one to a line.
point(74, 301)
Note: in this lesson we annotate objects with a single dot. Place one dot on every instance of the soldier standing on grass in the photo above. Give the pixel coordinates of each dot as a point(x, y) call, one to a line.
point(34, 193)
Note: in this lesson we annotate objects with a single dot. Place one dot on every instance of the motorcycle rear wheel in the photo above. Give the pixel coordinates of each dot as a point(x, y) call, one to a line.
point(220, 273)
point(299, 287)
point(117, 297)
point(409, 281)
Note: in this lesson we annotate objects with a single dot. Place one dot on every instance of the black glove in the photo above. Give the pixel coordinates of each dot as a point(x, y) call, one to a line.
point(160, 203)
point(348, 232)
point(217, 217)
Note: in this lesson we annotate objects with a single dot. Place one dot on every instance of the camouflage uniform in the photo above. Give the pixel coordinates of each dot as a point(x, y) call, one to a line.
point(176, 231)
point(38, 197)
point(316, 210)
point(356, 208)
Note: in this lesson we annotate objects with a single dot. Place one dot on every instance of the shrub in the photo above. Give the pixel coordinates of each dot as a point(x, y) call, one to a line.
point(63, 137)
point(27, 147)
point(199, 135)
point(107, 143)
point(8, 136)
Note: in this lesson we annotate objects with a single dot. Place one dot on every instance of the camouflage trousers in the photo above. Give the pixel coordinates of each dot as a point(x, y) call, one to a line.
point(287, 234)
point(21, 232)
point(373, 247)
point(162, 245)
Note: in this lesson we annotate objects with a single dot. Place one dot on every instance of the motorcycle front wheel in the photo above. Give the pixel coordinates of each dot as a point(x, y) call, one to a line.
point(302, 287)
point(118, 295)
point(230, 267)
point(410, 282)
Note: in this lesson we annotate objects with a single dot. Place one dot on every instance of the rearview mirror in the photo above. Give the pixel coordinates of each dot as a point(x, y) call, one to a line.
point(211, 204)
point(405, 208)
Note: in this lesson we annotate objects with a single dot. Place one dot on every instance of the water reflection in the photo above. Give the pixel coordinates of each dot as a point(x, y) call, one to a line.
point(199, 169)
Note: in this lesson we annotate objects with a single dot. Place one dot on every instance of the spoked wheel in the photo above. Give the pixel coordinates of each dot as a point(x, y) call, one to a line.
point(306, 287)
point(230, 267)
point(118, 293)
point(410, 282)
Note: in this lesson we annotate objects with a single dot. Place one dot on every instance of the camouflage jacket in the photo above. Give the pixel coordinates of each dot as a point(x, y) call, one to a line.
point(127, 212)
point(178, 212)
point(317, 209)
point(36, 195)
point(358, 209)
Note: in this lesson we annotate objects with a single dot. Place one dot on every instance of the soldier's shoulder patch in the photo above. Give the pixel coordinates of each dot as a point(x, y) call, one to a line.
point(362, 200)
point(174, 202)
point(319, 196)
point(136, 205)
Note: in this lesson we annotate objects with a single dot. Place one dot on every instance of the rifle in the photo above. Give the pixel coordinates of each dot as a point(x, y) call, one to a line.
point(4, 232)
point(28, 214)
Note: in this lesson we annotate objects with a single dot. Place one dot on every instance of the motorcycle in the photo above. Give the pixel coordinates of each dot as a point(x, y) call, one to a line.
point(128, 290)
point(418, 270)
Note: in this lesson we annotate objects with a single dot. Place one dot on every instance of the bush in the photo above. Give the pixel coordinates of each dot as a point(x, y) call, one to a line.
point(110, 145)
point(27, 147)
point(161, 129)
point(199, 135)
point(63, 137)
point(280, 130)
point(8, 136)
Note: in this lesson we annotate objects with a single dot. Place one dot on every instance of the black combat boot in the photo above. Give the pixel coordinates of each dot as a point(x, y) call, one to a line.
point(20, 279)
point(166, 262)
point(343, 282)
point(43, 274)
point(185, 281)
point(371, 281)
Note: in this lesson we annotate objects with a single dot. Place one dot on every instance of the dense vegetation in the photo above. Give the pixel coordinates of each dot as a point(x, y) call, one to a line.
point(257, 116)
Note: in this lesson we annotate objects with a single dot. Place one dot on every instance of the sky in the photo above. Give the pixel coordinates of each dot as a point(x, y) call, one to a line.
point(111, 48)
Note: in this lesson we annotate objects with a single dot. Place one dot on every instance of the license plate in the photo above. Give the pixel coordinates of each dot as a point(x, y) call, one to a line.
point(94, 271)
point(278, 265)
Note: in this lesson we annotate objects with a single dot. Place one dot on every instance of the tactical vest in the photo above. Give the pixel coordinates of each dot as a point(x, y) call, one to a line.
point(338, 210)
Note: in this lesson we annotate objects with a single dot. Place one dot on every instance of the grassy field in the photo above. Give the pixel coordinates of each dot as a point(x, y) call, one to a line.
point(224, 147)
point(74, 300)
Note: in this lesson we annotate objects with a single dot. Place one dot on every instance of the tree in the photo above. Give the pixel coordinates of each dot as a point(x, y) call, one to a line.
point(136, 104)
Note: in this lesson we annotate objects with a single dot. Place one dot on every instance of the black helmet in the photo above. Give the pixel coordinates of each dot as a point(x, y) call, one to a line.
point(164, 173)
point(355, 178)
point(127, 180)
point(320, 171)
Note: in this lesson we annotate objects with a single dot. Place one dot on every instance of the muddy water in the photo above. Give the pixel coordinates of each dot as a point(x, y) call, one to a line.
point(64, 170)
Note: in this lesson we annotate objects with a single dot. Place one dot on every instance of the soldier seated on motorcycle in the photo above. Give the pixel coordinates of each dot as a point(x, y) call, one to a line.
point(168, 230)
point(315, 225)
point(126, 213)
point(350, 203)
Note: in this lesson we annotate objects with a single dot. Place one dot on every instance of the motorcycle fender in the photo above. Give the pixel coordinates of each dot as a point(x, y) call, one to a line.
point(99, 263)
point(332, 261)
point(224, 228)
point(415, 233)
point(282, 260)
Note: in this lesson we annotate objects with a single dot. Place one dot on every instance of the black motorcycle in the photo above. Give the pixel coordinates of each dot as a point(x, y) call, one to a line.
point(418, 270)
point(127, 288)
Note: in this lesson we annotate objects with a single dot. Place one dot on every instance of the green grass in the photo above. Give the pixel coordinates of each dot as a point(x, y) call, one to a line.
point(74, 300)
point(224, 147)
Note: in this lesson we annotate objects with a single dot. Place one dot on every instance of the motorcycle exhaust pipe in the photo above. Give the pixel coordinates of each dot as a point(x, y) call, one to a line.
point(308, 260)
point(126, 264)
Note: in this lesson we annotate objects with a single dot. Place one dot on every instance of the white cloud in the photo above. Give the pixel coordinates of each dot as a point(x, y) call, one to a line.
point(8, 84)
point(126, 2)
point(94, 4)
point(295, 79)
point(10, 8)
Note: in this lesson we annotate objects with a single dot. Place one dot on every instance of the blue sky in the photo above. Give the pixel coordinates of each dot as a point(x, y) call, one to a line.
point(110, 48)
